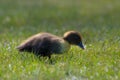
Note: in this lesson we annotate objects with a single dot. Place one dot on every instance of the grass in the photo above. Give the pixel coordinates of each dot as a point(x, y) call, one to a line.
point(97, 21)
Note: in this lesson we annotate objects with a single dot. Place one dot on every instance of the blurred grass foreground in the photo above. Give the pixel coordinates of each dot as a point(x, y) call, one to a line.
point(97, 20)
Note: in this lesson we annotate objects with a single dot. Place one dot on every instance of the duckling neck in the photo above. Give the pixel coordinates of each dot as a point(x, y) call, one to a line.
point(66, 40)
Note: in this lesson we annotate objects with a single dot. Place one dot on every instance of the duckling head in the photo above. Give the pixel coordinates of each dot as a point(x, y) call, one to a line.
point(74, 38)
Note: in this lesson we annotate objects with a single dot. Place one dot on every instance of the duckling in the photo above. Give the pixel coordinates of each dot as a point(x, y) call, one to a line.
point(46, 44)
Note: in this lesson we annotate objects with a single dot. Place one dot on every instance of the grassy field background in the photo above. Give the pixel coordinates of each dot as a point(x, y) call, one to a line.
point(97, 20)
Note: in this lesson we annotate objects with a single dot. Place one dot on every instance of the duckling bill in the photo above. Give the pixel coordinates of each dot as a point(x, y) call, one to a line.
point(45, 44)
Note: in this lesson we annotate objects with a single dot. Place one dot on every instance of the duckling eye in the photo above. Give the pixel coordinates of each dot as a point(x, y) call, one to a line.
point(76, 37)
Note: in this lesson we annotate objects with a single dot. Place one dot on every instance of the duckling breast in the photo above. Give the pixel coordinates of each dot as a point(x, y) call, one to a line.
point(60, 46)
